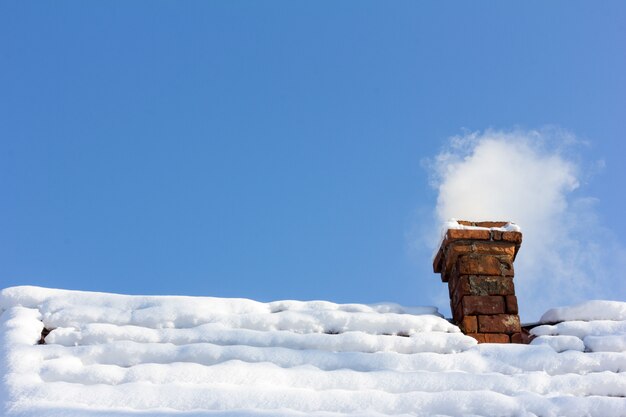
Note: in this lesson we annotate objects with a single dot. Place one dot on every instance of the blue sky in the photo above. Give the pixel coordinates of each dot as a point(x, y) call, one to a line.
point(276, 150)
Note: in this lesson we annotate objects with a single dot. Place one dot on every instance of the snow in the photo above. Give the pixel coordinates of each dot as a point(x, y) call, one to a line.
point(560, 343)
point(587, 311)
point(454, 224)
point(117, 355)
point(612, 343)
point(593, 326)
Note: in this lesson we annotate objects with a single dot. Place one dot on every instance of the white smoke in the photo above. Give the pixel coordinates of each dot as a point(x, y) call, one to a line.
point(526, 177)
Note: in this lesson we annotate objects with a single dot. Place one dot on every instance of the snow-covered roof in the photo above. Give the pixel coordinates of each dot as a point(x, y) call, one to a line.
point(117, 355)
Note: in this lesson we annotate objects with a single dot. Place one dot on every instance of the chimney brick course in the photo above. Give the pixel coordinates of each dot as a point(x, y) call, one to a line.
point(477, 264)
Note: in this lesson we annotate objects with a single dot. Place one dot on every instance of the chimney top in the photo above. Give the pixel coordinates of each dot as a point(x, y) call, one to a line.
point(454, 230)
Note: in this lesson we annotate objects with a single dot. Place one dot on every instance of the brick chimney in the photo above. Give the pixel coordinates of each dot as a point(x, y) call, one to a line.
point(476, 260)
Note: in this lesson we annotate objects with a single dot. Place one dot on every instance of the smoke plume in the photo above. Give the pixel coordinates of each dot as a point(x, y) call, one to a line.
point(532, 178)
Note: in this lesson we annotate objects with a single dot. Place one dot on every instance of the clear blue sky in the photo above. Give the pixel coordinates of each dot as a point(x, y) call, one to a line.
point(273, 150)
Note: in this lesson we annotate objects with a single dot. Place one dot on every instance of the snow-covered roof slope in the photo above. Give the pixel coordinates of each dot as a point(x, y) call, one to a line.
point(116, 355)
point(593, 326)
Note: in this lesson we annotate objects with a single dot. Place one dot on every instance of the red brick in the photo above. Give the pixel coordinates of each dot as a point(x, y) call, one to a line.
point(485, 265)
point(517, 338)
point(489, 248)
point(463, 285)
point(455, 299)
point(446, 258)
point(478, 336)
point(515, 237)
point(450, 254)
point(496, 234)
point(499, 323)
point(485, 247)
point(490, 285)
point(455, 286)
point(458, 291)
point(469, 324)
point(497, 338)
point(511, 304)
point(527, 337)
point(468, 234)
point(477, 304)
